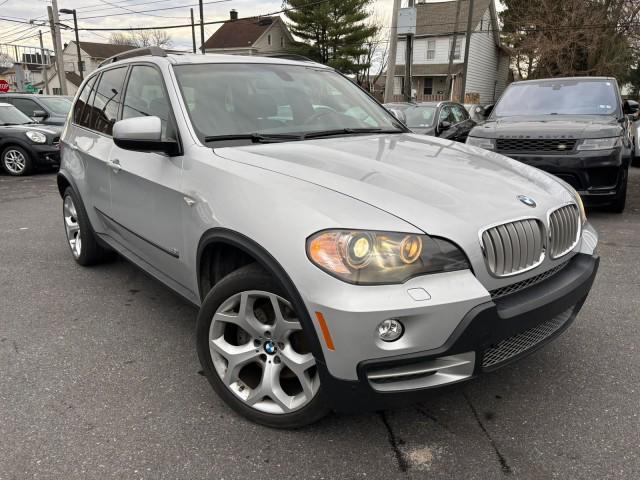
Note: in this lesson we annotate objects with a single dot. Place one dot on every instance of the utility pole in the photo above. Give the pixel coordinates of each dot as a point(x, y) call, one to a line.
point(75, 27)
point(453, 50)
point(193, 32)
point(201, 27)
point(408, 59)
point(45, 74)
point(52, 10)
point(466, 51)
point(393, 49)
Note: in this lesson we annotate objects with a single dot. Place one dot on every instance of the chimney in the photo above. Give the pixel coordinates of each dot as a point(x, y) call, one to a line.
point(233, 14)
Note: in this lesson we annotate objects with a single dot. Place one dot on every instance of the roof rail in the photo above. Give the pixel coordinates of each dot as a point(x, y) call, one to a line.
point(288, 56)
point(135, 52)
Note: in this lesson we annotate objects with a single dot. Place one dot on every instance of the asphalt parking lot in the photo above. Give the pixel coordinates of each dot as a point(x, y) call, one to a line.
point(99, 378)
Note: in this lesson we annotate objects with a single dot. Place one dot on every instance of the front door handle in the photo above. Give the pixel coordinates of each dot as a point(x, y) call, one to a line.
point(115, 165)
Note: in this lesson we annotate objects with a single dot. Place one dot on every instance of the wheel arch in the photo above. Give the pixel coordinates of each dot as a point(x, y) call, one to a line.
point(248, 249)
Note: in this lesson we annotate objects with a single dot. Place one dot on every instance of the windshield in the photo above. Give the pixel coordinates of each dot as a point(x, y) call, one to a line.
point(419, 116)
point(59, 106)
point(235, 100)
point(10, 115)
point(562, 97)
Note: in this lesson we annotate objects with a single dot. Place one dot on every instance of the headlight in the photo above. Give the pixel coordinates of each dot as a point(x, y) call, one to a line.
point(599, 143)
point(36, 137)
point(583, 213)
point(374, 258)
point(486, 143)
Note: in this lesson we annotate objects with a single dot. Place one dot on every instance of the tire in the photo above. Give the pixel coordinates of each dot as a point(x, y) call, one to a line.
point(262, 348)
point(621, 200)
point(80, 236)
point(16, 161)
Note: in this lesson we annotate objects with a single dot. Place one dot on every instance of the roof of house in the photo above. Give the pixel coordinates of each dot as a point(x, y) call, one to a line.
point(439, 18)
point(104, 50)
point(422, 70)
point(240, 33)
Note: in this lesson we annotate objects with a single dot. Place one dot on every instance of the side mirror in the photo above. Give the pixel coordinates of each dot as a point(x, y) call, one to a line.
point(444, 126)
point(487, 110)
point(399, 114)
point(143, 134)
point(630, 107)
point(39, 114)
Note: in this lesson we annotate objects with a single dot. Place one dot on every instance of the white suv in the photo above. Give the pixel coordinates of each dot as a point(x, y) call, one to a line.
point(339, 261)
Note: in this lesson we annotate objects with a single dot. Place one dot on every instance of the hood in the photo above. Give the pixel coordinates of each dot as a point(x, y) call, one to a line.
point(49, 130)
point(442, 187)
point(550, 126)
point(424, 130)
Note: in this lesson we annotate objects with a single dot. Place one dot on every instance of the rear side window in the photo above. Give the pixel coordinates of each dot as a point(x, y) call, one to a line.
point(81, 102)
point(106, 101)
point(146, 96)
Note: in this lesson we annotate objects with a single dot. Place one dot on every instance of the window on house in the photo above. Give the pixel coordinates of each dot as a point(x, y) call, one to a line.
point(431, 49)
point(428, 86)
point(282, 41)
point(269, 39)
point(57, 91)
point(398, 83)
point(456, 52)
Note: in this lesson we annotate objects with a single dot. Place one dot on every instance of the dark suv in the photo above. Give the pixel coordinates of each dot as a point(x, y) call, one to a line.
point(576, 128)
point(46, 109)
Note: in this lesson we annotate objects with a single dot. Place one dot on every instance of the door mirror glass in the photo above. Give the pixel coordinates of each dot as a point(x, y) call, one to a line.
point(39, 114)
point(142, 134)
point(487, 110)
point(630, 107)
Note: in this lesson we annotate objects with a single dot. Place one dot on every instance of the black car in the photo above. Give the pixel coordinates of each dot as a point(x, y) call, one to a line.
point(448, 120)
point(25, 144)
point(46, 109)
point(575, 128)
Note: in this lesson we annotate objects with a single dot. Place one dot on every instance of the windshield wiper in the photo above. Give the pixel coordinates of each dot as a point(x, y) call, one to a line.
point(254, 137)
point(9, 124)
point(348, 131)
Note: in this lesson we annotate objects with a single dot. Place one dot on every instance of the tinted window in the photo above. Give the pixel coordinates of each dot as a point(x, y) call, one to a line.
point(561, 97)
point(82, 101)
point(146, 95)
point(459, 113)
point(106, 101)
point(420, 116)
point(57, 106)
point(446, 115)
point(26, 106)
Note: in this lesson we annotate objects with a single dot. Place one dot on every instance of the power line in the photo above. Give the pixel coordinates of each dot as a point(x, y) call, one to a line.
point(154, 10)
point(216, 22)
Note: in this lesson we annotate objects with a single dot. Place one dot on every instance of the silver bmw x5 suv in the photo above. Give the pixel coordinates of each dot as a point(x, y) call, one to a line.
point(338, 260)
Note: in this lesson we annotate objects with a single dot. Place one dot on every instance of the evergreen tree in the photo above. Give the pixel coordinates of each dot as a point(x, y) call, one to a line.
point(333, 32)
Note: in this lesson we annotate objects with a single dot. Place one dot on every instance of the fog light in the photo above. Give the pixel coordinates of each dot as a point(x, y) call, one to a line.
point(390, 330)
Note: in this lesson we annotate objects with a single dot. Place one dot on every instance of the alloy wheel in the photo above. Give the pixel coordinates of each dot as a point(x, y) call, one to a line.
point(260, 354)
point(15, 161)
point(72, 227)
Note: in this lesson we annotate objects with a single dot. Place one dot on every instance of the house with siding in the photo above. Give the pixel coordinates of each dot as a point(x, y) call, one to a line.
point(488, 68)
point(254, 36)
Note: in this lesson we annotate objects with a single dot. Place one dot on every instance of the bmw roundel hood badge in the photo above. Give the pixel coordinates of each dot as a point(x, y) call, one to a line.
point(528, 201)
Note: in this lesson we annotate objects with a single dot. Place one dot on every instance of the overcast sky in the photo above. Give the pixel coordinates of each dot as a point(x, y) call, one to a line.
point(106, 16)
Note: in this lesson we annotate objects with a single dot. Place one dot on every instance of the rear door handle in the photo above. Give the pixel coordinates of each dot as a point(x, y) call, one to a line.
point(115, 165)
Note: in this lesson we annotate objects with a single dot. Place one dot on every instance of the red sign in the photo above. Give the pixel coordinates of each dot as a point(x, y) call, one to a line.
point(4, 86)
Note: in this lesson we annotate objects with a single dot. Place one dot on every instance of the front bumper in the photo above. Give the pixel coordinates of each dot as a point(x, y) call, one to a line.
point(596, 175)
point(46, 155)
point(491, 335)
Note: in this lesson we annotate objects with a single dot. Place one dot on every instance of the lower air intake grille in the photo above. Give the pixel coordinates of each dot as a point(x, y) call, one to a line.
point(524, 341)
point(529, 282)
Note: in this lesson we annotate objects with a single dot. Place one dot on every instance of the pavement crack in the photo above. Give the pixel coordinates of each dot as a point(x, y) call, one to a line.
point(395, 443)
point(506, 469)
point(424, 411)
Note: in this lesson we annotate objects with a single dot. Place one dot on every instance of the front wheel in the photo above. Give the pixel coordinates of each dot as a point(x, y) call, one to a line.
point(255, 354)
point(16, 161)
point(620, 202)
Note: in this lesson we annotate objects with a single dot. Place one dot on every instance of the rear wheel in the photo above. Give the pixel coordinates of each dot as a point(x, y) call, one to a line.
point(16, 161)
point(255, 354)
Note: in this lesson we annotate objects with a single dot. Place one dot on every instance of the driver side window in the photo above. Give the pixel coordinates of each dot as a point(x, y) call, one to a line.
point(446, 115)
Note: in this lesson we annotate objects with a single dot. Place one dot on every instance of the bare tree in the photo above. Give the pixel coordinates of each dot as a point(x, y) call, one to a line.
point(374, 57)
point(142, 38)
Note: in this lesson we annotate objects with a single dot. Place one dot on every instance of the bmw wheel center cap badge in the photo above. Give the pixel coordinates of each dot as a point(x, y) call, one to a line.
point(528, 201)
